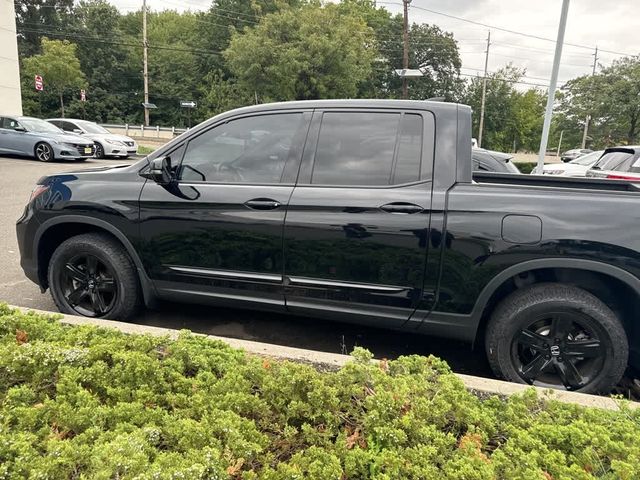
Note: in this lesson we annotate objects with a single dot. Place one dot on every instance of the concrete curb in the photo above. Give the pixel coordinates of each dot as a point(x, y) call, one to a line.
point(485, 386)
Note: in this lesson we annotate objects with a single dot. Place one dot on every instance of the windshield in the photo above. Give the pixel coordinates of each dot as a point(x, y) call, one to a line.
point(587, 160)
point(611, 160)
point(37, 125)
point(91, 127)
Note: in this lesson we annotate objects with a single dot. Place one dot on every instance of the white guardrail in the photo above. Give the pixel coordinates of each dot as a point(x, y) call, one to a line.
point(140, 131)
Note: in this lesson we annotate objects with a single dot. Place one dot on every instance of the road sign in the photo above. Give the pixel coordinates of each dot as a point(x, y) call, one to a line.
point(83, 96)
point(38, 82)
point(188, 104)
point(408, 72)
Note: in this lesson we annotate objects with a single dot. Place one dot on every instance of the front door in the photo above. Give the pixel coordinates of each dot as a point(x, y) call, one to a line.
point(217, 232)
point(357, 224)
point(11, 141)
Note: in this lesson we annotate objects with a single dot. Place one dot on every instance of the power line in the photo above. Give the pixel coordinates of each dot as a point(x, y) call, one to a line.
point(506, 30)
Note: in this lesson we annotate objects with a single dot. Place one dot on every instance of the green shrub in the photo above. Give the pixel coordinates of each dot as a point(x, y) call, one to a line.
point(526, 167)
point(85, 402)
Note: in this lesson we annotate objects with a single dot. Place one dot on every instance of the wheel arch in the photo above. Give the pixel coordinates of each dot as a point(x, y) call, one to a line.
point(617, 280)
point(56, 230)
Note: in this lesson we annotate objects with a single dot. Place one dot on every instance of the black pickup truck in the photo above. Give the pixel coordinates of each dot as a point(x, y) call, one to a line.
point(362, 211)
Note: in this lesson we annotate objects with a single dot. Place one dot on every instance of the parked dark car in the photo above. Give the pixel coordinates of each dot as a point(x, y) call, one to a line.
point(573, 154)
point(354, 210)
point(618, 163)
point(492, 161)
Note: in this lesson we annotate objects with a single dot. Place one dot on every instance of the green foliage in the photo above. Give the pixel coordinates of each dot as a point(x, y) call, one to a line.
point(513, 119)
point(610, 98)
point(84, 402)
point(59, 66)
point(526, 167)
point(312, 52)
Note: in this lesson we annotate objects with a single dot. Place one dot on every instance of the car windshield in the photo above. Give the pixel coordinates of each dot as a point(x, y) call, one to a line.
point(91, 127)
point(587, 160)
point(37, 125)
point(611, 160)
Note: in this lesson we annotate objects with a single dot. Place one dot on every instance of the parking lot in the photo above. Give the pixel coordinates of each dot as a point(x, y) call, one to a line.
point(17, 178)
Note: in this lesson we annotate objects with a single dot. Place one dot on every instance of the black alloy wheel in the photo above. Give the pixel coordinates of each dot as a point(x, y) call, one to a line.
point(559, 336)
point(88, 285)
point(93, 275)
point(559, 349)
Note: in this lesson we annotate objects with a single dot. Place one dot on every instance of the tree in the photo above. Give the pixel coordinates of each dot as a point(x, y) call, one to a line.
point(512, 119)
point(105, 51)
point(59, 67)
point(611, 98)
point(307, 53)
point(432, 51)
point(39, 18)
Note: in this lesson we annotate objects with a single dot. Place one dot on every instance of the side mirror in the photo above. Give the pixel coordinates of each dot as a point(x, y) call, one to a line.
point(78, 131)
point(160, 171)
point(19, 128)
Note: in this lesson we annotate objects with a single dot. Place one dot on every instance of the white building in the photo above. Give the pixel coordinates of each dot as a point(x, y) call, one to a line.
point(10, 94)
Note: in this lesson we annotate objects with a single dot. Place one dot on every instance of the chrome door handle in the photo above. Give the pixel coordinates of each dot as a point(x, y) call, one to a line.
point(262, 204)
point(401, 207)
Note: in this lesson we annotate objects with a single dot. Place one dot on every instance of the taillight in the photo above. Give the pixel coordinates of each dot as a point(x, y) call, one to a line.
point(37, 191)
point(622, 177)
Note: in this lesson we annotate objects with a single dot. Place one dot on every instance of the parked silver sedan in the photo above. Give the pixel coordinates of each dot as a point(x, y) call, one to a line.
point(33, 137)
point(107, 144)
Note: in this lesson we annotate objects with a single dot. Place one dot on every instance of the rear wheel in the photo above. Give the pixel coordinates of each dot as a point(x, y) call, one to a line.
point(92, 275)
point(44, 152)
point(557, 336)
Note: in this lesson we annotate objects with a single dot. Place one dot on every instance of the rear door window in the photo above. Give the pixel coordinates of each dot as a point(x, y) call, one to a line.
point(368, 149)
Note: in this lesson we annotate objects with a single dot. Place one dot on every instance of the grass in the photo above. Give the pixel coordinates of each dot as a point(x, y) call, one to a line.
point(144, 150)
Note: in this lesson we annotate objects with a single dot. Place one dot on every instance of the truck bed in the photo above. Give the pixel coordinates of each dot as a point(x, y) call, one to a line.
point(560, 182)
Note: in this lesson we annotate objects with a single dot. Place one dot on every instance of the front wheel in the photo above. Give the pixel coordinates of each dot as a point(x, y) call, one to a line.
point(557, 336)
point(44, 152)
point(93, 276)
point(99, 152)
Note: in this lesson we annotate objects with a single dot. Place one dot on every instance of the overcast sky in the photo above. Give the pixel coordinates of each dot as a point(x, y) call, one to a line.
point(612, 26)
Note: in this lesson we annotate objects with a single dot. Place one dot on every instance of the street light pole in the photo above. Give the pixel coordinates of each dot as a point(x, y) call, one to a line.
point(484, 89)
point(552, 85)
point(145, 67)
point(405, 47)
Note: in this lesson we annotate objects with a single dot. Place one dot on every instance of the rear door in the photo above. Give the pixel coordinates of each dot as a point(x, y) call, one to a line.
point(217, 232)
point(357, 225)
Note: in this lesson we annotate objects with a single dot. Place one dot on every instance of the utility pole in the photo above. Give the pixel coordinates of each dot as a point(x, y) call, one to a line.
point(552, 85)
point(586, 120)
point(484, 89)
point(405, 47)
point(145, 66)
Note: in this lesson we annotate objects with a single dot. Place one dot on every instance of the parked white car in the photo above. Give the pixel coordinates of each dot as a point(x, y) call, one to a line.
point(574, 168)
point(106, 143)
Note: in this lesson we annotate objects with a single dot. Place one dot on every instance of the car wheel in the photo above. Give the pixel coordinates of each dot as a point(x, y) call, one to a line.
point(92, 275)
point(557, 336)
point(99, 153)
point(44, 152)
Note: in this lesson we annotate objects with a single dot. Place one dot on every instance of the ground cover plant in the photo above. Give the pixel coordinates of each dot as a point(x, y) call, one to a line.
point(93, 403)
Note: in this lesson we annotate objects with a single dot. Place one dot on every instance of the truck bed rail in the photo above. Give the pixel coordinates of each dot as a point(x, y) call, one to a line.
point(560, 182)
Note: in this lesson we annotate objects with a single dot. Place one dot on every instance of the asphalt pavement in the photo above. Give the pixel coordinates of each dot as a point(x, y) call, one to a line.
point(18, 176)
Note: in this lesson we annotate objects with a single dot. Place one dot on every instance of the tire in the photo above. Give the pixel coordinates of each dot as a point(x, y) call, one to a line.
point(108, 290)
point(557, 336)
point(43, 152)
point(99, 153)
